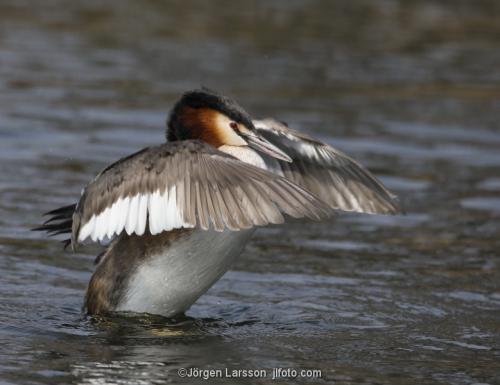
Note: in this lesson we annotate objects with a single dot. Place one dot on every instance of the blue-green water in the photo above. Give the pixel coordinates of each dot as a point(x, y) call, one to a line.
point(411, 89)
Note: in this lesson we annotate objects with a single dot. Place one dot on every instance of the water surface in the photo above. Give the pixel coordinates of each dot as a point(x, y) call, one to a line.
point(410, 89)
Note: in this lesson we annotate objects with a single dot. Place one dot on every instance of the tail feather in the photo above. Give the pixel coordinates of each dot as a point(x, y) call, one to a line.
point(66, 243)
point(56, 218)
point(62, 210)
point(61, 222)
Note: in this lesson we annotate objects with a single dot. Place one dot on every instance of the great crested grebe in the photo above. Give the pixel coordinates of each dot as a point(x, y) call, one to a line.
point(178, 214)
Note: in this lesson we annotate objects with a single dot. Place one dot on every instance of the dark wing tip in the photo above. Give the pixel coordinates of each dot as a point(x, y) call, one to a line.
point(62, 210)
point(61, 222)
point(55, 228)
point(397, 208)
point(66, 243)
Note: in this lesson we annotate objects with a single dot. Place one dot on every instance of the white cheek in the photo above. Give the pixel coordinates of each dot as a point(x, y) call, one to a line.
point(229, 137)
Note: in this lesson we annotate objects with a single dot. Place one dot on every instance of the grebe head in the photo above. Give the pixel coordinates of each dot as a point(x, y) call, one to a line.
point(217, 120)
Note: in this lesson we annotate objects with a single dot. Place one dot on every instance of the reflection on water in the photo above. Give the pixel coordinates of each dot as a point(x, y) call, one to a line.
point(411, 89)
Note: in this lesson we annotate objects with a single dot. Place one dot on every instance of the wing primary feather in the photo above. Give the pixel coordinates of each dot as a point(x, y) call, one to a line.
point(215, 215)
point(237, 214)
point(164, 215)
point(244, 200)
point(353, 188)
point(154, 212)
point(131, 222)
point(224, 211)
point(273, 214)
point(142, 214)
point(303, 203)
point(311, 204)
point(180, 202)
point(100, 225)
point(113, 217)
point(240, 177)
point(200, 207)
point(190, 211)
point(87, 229)
point(257, 203)
point(227, 178)
point(122, 218)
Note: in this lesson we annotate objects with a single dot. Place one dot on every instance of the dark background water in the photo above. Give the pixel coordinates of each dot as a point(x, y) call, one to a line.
point(411, 89)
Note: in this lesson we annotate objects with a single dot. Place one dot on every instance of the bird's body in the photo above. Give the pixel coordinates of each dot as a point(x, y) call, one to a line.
point(179, 213)
point(162, 274)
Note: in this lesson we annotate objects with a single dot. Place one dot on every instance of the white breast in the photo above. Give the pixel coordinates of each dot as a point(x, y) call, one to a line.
point(245, 154)
point(169, 282)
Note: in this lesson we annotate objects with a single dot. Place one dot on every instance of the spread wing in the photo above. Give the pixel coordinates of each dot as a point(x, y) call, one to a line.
point(182, 184)
point(326, 172)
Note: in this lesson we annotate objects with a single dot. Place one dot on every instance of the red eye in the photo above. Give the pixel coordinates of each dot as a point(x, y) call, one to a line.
point(233, 125)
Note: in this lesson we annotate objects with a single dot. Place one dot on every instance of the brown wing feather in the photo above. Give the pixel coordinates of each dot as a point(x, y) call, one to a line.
point(331, 175)
point(213, 189)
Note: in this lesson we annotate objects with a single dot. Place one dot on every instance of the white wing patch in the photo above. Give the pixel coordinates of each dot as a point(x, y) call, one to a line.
point(133, 212)
point(142, 215)
point(159, 211)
